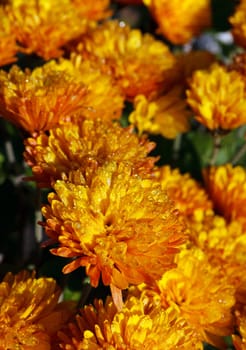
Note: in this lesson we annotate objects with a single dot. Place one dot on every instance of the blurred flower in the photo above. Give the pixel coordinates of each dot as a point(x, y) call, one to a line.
point(8, 47)
point(104, 98)
point(226, 186)
point(187, 194)
point(102, 327)
point(166, 115)
point(237, 21)
point(139, 63)
point(85, 144)
point(217, 97)
point(43, 27)
point(118, 225)
point(201, 293)
point(38, 100)
point(180, 21)
point(30, 312)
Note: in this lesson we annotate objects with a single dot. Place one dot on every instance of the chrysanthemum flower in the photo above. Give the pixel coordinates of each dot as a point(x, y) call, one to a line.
point(29, 312)
point(179, 21)
point(139, 63)
point(102, 327)
point(224, 245)
point(201, 293)
point(43, 27)
point(38, 100)
point(218, 98)
point(227, 240)
point(166, 115)
point(8, 47)
point(188, 195)
point(238, 21)
point(214, 235)
point(226, 186)
point(119, 226)
point(84, 144)
point(104, 98)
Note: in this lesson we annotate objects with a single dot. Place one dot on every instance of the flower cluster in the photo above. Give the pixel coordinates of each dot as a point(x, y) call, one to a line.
point(134, 157)
point(30, 311)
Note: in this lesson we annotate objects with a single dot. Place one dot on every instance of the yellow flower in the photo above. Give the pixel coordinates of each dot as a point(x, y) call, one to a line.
point(166, 115)
point(224, 245)
point(215, 236)
point(178, 20)
point(133, 328)
point(30, 313)
point(238, 21)
point(226, 186)
point(85, 144)
point(118, 225)
point(218, 98)
point(139, 63)
point(38, 100)
point(8, 47)
point(200, 293)
point(43, 27)
point(104, 98)
point(186, 193)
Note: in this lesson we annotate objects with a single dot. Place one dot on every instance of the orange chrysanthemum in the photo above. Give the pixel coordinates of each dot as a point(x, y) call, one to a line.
point(85, 144)
point(227, 188)
point(188, 195)
point(134, 327)
point(224, 245)
point(44, 26)
point(216, 237)
point(238, 21)
point(200, 293)
point(166, 115)
point(38, 100)
point(8, 47)
point(104, 98)
point(118, 225)
point(218, 98)
point(139, 63)
point(29, 312)
point(179, 21)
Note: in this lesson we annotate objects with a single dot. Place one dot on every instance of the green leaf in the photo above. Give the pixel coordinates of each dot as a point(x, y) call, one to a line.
point(70, 294)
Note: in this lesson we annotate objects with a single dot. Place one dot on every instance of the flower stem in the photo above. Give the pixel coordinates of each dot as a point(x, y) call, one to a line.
point(239, 154)
point(216, 147)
